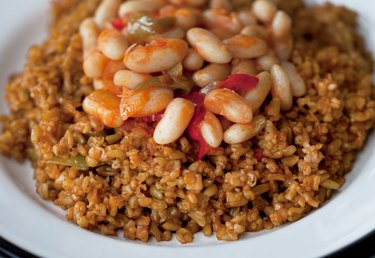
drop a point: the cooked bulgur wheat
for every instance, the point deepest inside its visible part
(120, 179)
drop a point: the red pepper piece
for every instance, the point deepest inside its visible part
(240, 83)
(195, 134)
(196, 97)
(193, 130)
(258, 154)
(118, 24)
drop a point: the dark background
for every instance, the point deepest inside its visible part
(365, 247)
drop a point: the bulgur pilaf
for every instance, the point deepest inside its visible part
(111, 175)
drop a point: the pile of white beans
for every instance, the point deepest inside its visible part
(207, 42)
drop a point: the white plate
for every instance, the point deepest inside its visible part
(40, 228)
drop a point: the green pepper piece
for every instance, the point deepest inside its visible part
(143, 25)
(114, 138)
(78, 162)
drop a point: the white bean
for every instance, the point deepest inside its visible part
(193, 61)
(256, 31)
(161, 2)
(168, 10)
(243, 66)
(196, 2)
(264, 10)
(112, 44)
(284, 48)
(297, 84)
(247, 17)
(186, 18)
(105, 11)
(221, 23)
(94, 64)
(211, 130)
(104, 104)
(209, 46)
(98, 84)
(221, 4)
(281, 87)
(211, 73)
(89, 32)
(258, 95)
(267, 61)
(239, 133)
(174, 33)
(129, 79)
(158, 55)
(111, 68)
(176, 119)
(158, 99)
(229, 104)
(129, 7)
(281, 35)
(145, 102)
(244, 46)
(106, 84)
(281, 26)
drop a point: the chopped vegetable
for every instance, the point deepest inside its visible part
(78, 162)
(180, 84)
(176, 71)
(196, 97)
(240, 83)
(258, 154)
(113, 138)
(152, 82)
(166, 81)
(106, 171)
(178, 81)
(210, 87)
(143, 25)
(193, 130)
(118, 24)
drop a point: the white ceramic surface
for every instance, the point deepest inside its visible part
(40, 228)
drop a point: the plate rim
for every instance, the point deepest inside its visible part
(184, 251)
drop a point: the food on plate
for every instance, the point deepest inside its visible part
(153, 117)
